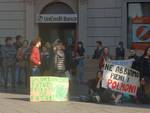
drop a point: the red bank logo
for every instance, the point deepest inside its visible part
(143, 33)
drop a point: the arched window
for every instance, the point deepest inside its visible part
(57, 8)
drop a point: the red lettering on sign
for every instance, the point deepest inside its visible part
(115, 85)
(109, 82)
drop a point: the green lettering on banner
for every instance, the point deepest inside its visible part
(49, 88)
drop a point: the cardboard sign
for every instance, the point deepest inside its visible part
(44, 88)
(120, 78)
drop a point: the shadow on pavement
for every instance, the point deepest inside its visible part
(15, 91)
(21, 99)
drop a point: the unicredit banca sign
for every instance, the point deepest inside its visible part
(56, 18)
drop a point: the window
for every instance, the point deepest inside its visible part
(138, 25)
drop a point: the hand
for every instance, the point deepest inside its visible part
(142, 81)
(39, 63)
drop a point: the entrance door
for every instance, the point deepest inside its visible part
(65, 32)
(51, 32)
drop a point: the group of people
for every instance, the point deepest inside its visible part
(14, 62)
(19, 60)
(140, 63)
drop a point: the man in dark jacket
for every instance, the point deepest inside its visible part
(9, 61)
(98, 50)
(120, 51)
(136, 62)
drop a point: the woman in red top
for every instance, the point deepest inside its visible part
(35, 56)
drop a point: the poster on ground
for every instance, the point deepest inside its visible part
(120, 78)
(46, 88)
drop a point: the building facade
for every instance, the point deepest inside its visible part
(69, 20)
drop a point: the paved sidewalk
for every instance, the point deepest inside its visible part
(19, 103)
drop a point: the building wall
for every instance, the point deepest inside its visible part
(12, 18)
(40, 4)
(104, 23)
(103, 20)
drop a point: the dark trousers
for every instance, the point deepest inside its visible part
(9, 71)
(22, 73)
(2, 77)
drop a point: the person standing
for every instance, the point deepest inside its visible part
(49, 47)
(104, 58)
(45, 60)
(22, 69)
(1, 68)
(143, 93)
(18, 43)
(120, 51)
(59, 51)
(98, 50)
(80, 62)
(145, 65)
(35, 59)
(9, 61)
(136, 62)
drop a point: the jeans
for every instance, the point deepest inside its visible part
(35, 71)
(80, 70)
(2, 77)
(21, 74)
(9, 71)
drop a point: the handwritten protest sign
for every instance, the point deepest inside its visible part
(120, 78)
(49, 88)
(127, 63)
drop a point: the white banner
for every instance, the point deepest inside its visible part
(127, 63)
(56, 18)
(121, 79)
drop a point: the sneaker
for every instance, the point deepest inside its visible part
(117, 100)
(98, 99)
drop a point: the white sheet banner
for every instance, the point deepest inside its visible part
(127, 63)
(121, 79)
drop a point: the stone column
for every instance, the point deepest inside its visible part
(29, 20)
(82, 22)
